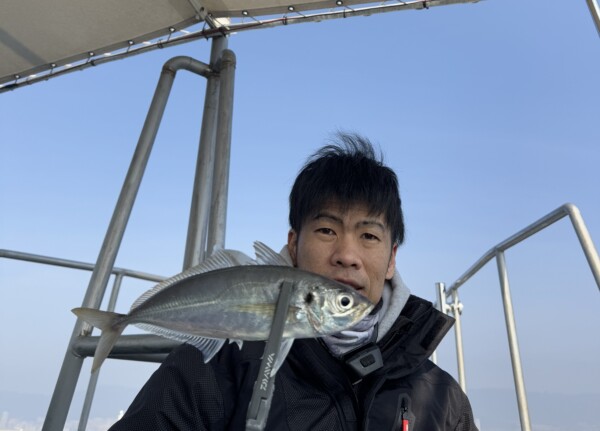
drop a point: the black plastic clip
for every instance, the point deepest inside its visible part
(262, 395)
(364, 360)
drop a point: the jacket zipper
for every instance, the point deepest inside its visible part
(404, 415)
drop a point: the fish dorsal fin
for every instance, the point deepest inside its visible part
(267, 256)
(222, 258)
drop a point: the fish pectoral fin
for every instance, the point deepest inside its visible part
(284, 349)
(207, 346)
(239, 343)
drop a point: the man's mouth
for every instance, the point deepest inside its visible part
(350, 283)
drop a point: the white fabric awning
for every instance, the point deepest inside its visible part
(53, 36)
(37, 35)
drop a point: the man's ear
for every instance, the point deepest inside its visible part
(293, 245)
(392, 263)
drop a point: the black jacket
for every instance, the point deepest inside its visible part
(313, 390)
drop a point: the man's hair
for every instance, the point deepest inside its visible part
(346, 173)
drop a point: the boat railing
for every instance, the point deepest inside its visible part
(148, 348)
(449, 303)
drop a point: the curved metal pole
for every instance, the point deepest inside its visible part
(595, 11)
(591, 255)
(567, 209)
(71, 367)
(195, 247)
(218, 216)
(585, 240)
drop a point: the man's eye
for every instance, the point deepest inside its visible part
(370, 236)
(325, 231)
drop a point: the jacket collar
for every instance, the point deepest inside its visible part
(414, 336)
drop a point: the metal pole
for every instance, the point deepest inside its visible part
(71, 368)
(585, 240)
(460, 358)
(195, 248)
(89, 396)
(440, 292)
(513, 343)
(74, 264)
(549, 219)
(216, 231)
(595, 11)
(128, 346)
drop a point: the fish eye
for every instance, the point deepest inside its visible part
(344, 301)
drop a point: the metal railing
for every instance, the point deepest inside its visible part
(595, 12)
(448, 301)
(87, 345)
(151, 348)
(119, 273)
(206, 229)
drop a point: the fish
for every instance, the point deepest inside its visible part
(229, 296)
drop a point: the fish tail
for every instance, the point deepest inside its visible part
(111, 324)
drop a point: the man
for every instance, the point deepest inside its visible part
(346, 224)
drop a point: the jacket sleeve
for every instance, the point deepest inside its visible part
(466, 421)
(183, 394)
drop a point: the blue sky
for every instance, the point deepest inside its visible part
(488, 112)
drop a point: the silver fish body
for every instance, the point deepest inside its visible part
(239, 303)
(235, 303)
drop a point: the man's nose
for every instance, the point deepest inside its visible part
(346, 253)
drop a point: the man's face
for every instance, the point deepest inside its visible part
(352, 247)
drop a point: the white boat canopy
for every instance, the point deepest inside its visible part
(43, 39)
